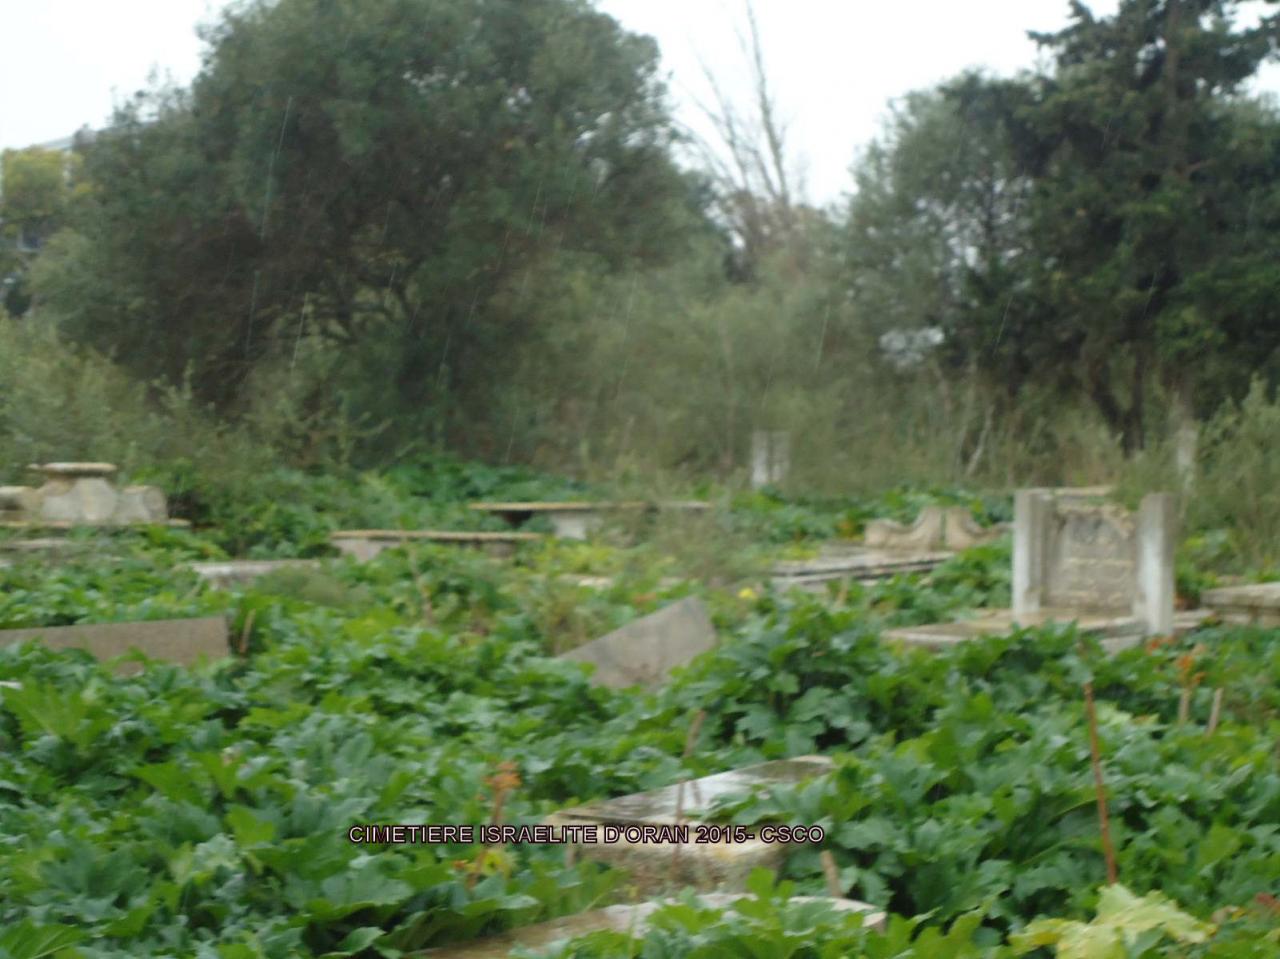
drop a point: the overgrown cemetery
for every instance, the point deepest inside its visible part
(448, 509)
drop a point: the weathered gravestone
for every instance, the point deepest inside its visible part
(659, 856)
(181, 641)
(770, 457)
(1077, 558)
(630, 919)
(644, 651)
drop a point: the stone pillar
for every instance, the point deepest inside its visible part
(770, 457)
(1031, 516)
(1157, 530)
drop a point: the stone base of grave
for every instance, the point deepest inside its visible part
(1116, 633)
(632, 919)
(242, 572)
(365, 544)
(645, 650)
(656, 868)
(1255, 604)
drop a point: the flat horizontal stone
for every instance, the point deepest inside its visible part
(657, 867)
(1116, 633)
(241, 572)
(630, 919)
(70, 470)
(181, 641)
(570, 506)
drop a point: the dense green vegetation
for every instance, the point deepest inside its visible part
(204, 812)
(385, 258)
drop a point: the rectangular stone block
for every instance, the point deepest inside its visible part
(646, 650)
(242, 572)
(1256, 603)
(181, 641)
(662, 866)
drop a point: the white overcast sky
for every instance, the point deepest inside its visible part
(834, 64)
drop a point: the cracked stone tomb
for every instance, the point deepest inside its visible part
(1079, 558)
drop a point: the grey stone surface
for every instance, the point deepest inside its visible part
(632, 919)
(770, 457)
(181, 641)
(646, 650)
(660, 867)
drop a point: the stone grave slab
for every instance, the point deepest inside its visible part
(1255, 603)
(365, 544)
(242, 572)
(853, 562)
(632, 919)
(578, 520)
(181, 641)
(659, 866)
(644, 651)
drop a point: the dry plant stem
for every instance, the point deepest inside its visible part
(832, 874)
(1108, 851)
(245, 631)
(694, 728)
(1184, 705)
(1215, 712)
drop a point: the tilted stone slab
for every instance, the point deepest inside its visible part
(1256, 603)
(657, 867)
(365, 544)
(630, 919)
(644, 651)
(181, 641)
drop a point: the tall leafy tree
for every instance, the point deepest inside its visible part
(372, 169)
(1154, 208)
